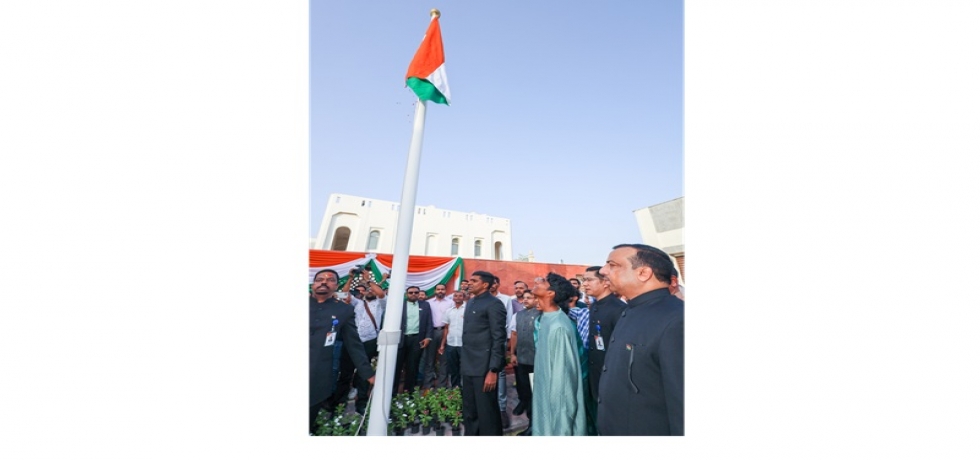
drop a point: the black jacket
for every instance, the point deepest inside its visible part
(604, 313)
(484, 335)
(322, 315)
(641, 391)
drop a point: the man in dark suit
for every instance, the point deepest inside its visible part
(641, 391)
(482, 357)
(332, 326)
(604, 313)
(416, 335)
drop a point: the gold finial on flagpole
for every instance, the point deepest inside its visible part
(435, 13)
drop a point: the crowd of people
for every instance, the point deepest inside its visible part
(599, 356)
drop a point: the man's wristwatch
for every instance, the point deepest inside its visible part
(494, 370)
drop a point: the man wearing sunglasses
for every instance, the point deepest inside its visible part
(416, 336)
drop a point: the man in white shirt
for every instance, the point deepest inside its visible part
(452, 337)
(368, 312)
(434, 362)
(371, 293)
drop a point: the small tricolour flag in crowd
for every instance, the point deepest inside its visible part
(427, 72)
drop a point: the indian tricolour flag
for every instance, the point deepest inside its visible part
(427, 72)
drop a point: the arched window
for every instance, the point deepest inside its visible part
(477, 248)
(455, 249)
(340, 239)
(373, 240)
(498, 251)
(430, 245)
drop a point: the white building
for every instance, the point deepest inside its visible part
(662, 226)
(359, 224)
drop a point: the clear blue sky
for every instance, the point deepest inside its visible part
(565, 117)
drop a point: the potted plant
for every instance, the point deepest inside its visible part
(399, 417)
(345, 426)
(323, 424)
(438, 403)
(454, 407)
(339, 424)
(332, 426)
(344, 423)
(412, 408)
(426, 418)
(456, 422)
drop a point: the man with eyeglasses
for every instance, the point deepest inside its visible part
(603, 316)
(416, 335)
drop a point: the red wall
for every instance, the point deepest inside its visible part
(509, 271)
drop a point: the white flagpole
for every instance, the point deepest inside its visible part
(390, 332)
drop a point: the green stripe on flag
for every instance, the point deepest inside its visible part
(426, 91)
(376, 269)
(445, 279)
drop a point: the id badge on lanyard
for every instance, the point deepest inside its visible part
(332, 335)
(598, 339)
